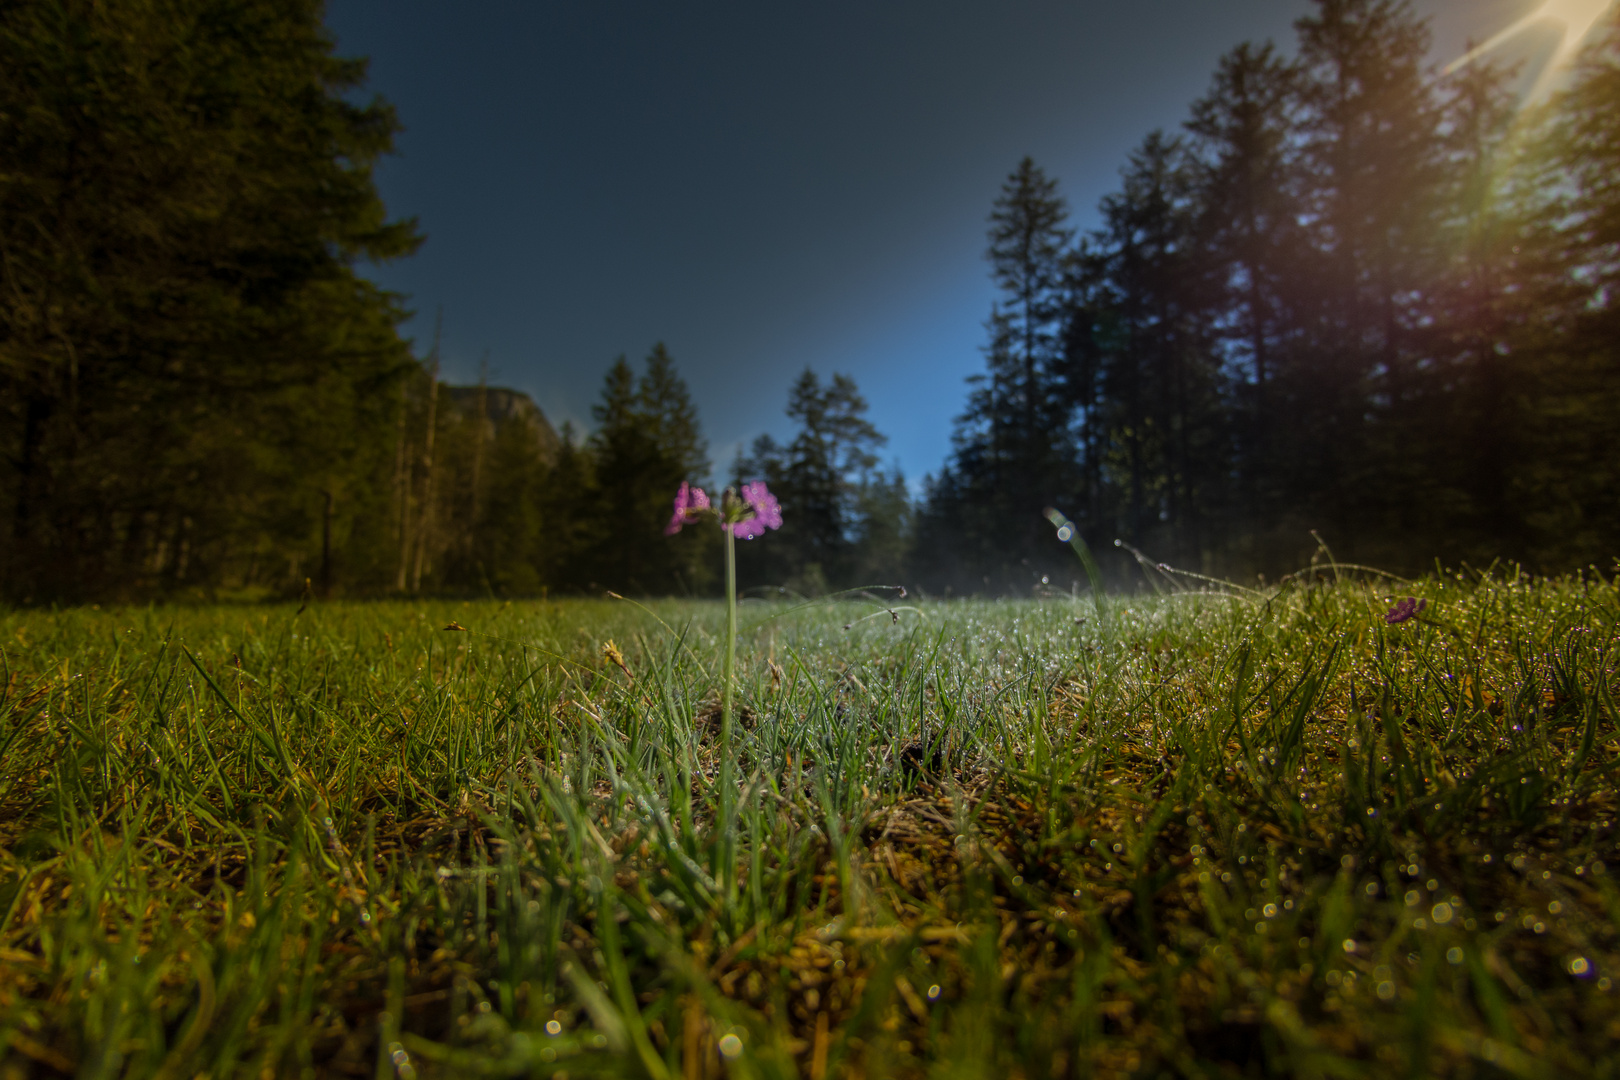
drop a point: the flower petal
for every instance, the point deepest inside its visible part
(767, 511)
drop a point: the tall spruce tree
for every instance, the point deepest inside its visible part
(1160, 370)
(1246, 224)
(1478, 315)
(1371, 127)
(819, 478)
(1013, 449)
(647, 442)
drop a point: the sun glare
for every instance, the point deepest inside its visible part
(1577, 18)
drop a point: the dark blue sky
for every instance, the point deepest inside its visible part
(763, 186)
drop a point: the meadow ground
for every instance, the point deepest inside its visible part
(1198, 834)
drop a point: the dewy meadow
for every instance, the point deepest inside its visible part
(355, 721)
(1306, 831)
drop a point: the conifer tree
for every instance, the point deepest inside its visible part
(1159, 368)
(1479, 312)
(819, 478)
(1370, 125)
(647, 441)
(1565, 470)
(1013, 449)
(1247, 210)
(189, 364)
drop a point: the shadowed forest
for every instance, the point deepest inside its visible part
(1348, 294)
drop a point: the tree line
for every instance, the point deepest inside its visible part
(201, 394)
(492, 500)
(1349, 296)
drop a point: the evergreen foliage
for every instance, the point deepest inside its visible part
(1356, 298)
(845, 518)
(190, 369)
(1351, 296)
(1013, 449)
(646, 442)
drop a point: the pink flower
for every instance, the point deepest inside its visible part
(766, 512)
(1404, 610)
(690, 502)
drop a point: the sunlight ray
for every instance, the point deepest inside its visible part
(1577, 17)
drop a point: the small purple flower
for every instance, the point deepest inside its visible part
(1404, 610)
(767, 512)
(689, 503)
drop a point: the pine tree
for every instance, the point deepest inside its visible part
(819, 478)
(1247, 210)
(647, 441)
(1013, 450)
(883, 529)
(1028, 246)
(1372, 154)
(1479, 311)
(1160, 371)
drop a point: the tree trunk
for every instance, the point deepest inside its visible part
(424, 525)
(326, 547)
(402, 491)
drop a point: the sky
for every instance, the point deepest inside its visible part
(766, 186)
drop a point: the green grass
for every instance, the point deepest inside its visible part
(1203, 835)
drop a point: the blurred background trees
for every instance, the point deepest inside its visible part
(1353, 296)
(1350, 295)
(843, 516)
(194, 382)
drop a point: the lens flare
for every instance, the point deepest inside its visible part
(1577, 17)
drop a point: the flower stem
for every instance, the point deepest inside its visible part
(729, 673)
